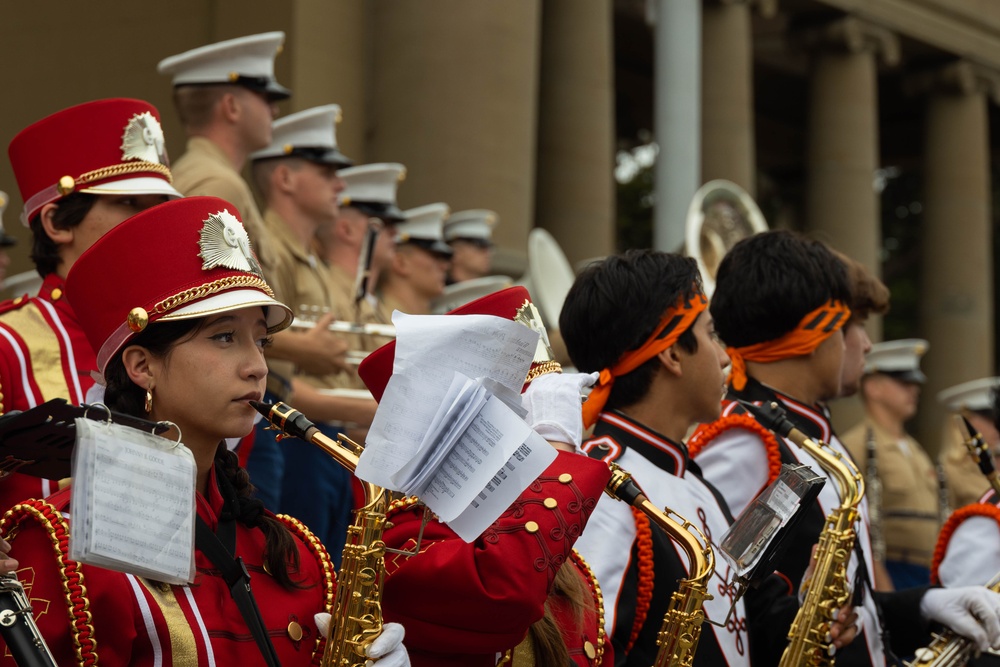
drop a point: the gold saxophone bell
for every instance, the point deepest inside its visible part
(678, 638)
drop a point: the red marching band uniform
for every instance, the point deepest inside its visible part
(477, 601)
(90, 615)
(88, 148)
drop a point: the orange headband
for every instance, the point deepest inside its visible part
(674, 322)
(814, 328)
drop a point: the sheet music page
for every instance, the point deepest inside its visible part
(430, 349)
(133, 502)
(477, 463)
(522, 468)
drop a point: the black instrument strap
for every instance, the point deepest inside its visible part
(863, 585)
(234, 571)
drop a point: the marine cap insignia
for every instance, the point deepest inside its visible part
(143, 139)
(224, 242)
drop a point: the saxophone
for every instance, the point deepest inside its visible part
(949, 649)
(808, 639)
(681, 629)
(357, 609)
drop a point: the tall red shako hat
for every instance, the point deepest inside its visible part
(513, 303)
(106, 147)
(178, 260)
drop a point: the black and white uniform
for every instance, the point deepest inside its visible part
(972, 554)
(737, 463)
(663, 470)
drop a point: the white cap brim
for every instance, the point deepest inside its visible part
(141, 185)
(279, 316)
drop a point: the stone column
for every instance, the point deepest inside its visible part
(842, 207)
(576, 193)
(453, 95)
(727, 123)
(957, 279)
(327, 48)
(676, 116)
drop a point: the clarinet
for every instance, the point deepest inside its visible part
(17, 626)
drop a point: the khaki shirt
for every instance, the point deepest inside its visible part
(300, 281)
(910, 508)
(204, 170)
(966, 483)
(364, 312)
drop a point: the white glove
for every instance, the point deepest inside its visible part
(971, 611)
(554, 405)
(386, 651)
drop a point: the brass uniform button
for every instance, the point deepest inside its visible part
(589, 649)
(551, 503)
(56, 294)
(565, 478)
(294, 631)
(18, 300)
(531, 527)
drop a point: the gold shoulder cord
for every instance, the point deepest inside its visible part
(299, 529)
(74, 587)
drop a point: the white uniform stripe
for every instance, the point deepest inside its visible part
(147, 618)
(28, 393)
(201, 625)
(67, 344)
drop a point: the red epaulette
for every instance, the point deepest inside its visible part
(74, 587)
(949, 527)
(706, 433)
(319, 552)
(14, 304)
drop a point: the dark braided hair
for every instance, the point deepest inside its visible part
(123, 395)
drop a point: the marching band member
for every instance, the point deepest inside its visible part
(164, 297)
(968, 548)
(781, 304)
(519, 594)
(661, 372)
(81, 171)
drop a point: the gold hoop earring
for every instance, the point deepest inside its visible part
(149, 401)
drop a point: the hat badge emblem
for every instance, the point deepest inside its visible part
(143, 140)
(224, 242)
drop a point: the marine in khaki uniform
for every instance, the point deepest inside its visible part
(297, 175)
(470, 235)
(420, 265)
(974, 401)
(225, 95)
(906, 513)
(359, 247)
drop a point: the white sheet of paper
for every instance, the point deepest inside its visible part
(430, 349)
(133, 502)
(524, 466)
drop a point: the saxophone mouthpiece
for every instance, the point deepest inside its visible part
(263, 408)
(771, 415)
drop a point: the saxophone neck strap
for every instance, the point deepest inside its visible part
(863, 583)
(219, 548)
